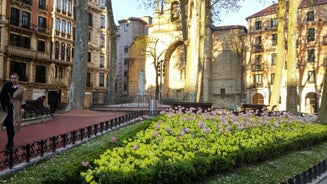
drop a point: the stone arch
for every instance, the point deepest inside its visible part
(170, 66)
(311, 103)
(258, 99)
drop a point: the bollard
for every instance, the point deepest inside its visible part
(153, 107)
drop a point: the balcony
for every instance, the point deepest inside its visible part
(257, 67)
(257, 48)
(18, 51)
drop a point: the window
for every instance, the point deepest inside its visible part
(42, 23)
(257, 44)
(102, 40)
(101, 79)
(272, 78)
(102, 21)
(273, 23)
(69, 7)
(90, 20)
(14, 16)
(258, 62)
(311, 76)
(101, 60)
(311, 55)
(63, 51)
(258, 78)
(40, 74)
(20, 68)
(126, 61)
(273, 59)
(89, 56)
(310, 16)
(68, 53)
(102, 4)
(64, 6)
(58, 72)
(27, 2)
(258, 25)
(41, 45)
(88, 79)
(57, 26)
(63, 26)
(310, 34)
(26, 19)
(274, 39)
(69, 28)
(57, 50)
(20, 41)
(222, 92)
(126, 27)
(126, 48)
(42, 4)
(58, 5)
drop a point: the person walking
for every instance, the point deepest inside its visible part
(13, 102)
(53, 101)
(40, 105)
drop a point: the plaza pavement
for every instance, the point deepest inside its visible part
(61, 123)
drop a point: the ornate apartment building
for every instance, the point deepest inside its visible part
(37, 42)
(311, 56)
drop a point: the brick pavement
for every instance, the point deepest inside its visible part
(61, 123)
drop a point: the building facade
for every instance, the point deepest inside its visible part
(224, 71)
(128, 30)
(311, 56)
(37, 42)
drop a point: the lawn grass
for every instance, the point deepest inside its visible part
(271, 171)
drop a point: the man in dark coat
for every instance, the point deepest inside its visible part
(53, 101)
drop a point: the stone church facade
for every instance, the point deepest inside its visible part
(225, 70)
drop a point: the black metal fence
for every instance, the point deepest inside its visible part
(308, 175)
(37, 149)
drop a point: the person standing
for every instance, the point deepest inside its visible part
(53, 101)
(13, 102)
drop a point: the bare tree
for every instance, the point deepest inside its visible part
(77, 85)
(150, 47)
(111, 93)
(280, 62)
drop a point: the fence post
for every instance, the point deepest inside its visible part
(28, 152)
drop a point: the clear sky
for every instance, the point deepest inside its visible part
(124, 9)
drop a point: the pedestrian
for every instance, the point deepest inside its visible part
(40, 104)
(13, 103)
(53, 101)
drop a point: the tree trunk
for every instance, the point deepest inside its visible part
(113, 56)
(193, 55)
(203, 87)
(292, 80)
(77, 85)
(280, 61)
(322, 115)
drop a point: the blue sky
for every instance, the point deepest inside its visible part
(124, 9)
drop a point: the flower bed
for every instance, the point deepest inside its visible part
(183, 146)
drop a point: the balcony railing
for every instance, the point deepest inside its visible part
(257, 67)
(257, 48)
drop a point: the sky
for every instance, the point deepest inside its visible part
(124, 9)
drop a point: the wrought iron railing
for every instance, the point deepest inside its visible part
(308, 175)
(38, 149)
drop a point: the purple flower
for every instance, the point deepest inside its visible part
(85, 164)
(157, 126)
(135, 147)
(113, 139)
(155, 133)
(182, 132)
